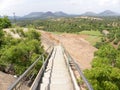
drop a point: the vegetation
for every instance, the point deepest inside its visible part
(92, 36)
(104, 74)
(74, 25)
(105, 67)
(17, 54)
(4, 22)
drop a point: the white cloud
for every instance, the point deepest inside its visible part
(108, 2)
(22, 7)
(9, 3)
(75, 2)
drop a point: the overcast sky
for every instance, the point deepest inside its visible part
(23, 7)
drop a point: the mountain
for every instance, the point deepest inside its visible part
(48, 14)
(60, 14)
(104, 13)
(33, 14)
(89, 14)
(108, 13)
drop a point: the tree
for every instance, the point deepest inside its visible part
(5, 22)
(21, 53)
(105, 67)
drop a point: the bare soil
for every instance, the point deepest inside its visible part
(5, 80)
(80, 49)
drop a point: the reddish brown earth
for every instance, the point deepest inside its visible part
(80, 49)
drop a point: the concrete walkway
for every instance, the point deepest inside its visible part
(56, 75)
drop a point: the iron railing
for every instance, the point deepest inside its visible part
(78, 69)
(37, 80)
(17, 85)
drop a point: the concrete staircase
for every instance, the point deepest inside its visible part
(56, 75)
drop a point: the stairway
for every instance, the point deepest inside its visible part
(56, 75)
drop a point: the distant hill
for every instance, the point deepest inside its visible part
(89, 14)
(60, 14)
(108, 13)
(49, 14)
(104, 13)
(33, 14)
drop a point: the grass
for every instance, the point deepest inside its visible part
(93, 36)
(91, 33)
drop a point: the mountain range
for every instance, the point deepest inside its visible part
(104, 13)
(49, 14)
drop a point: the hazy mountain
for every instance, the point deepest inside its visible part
(60, 14)
(89, 14)
(48, 14)
(108, 13)
(33, 14)
(104, 13)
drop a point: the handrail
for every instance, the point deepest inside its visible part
(75, 85)
(14, 85)
(78, 69)
(37, 79)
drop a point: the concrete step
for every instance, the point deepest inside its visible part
(43, 86)
(45, 80)
(47, 74)
(59, 69)
(58, 66)
(59, 72)
(48, 71)
(60, 87)
(60, 80)
(48, 68)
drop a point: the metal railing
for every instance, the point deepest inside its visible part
(78, 69)
(37, 80)
(21, 80)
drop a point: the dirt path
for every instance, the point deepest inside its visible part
(80, 49)
(5, 80)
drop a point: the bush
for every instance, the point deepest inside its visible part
(21, 53)
(105, 67)
(5, 22)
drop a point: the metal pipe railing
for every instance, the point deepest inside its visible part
(74, 81)
(18, 83)
(35, 84)
(78, 69)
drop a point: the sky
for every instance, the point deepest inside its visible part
(24, 7)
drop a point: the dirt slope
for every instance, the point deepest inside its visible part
(5, 80)
(80, 49)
